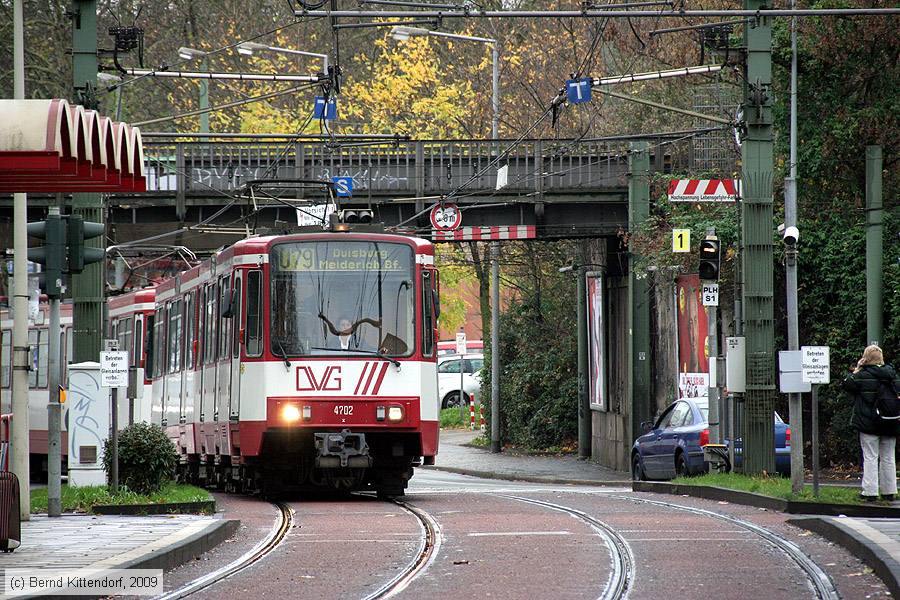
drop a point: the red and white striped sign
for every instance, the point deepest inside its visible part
(497, 232)
(704, 190)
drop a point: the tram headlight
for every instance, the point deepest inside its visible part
(290, 413)
(395, 413)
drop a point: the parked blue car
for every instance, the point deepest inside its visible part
(673, 445)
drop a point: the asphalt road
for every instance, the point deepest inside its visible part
(500, 539)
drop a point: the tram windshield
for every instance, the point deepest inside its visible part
(342, 297)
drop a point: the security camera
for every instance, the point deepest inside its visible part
(791, 236)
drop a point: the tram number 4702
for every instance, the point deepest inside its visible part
(343, 410)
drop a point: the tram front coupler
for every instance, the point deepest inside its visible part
(342, 450)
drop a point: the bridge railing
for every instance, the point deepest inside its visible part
(406, 167)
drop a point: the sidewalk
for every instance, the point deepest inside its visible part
(455, 457)
(114, 542)
(875, 541)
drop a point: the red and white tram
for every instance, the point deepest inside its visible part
(297, 361)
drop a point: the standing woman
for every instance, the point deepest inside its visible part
(877, 436)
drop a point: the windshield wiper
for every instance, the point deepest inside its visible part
(284, 357)
(381, 355)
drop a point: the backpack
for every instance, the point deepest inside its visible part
(887, 404)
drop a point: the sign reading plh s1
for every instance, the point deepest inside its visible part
(709, 294)
(704, 190)
(681, 240)
(114, 369)
(446, 217)
(815, 364)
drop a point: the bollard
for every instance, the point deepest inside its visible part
(472, 413)
(481, 410)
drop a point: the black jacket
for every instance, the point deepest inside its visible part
(863, 388)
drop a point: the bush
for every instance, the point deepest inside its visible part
(147, 458)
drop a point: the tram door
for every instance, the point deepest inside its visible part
(236, 333)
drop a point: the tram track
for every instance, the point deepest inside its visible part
(822, 584)
(622, 562)
(276, 536)
(429, 547)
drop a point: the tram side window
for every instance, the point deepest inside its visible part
(190, 320)
(236, 321)
(37, 376)
(123, 333)
(148, 347)
(159, 343)
(67, 349)
(209, 351)
(176, 337)
(138, 342)
(5, 358)
(253, 332)
(428, 314)
(224, 324)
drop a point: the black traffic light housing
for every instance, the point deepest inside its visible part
(64, 251)
(80, 230)
(710, 258)
(53, 254)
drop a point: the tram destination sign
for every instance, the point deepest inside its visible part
(339, 257)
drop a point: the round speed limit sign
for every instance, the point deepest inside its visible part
(446, 217)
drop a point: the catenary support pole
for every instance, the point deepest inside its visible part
(495, 347)
(495, 80)
(584, 412)
(757, 159)
(638, 309)
(874, 243)
(88, 287)
(204, 100)
(20, 450)
(791, 257)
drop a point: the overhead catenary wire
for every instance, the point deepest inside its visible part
(200, 111)
(593, 13)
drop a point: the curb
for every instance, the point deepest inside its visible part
(758, 500)
(167, 508)
(186, 550)
(876, 557)
(528, 478)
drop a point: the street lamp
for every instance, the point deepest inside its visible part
(110, 80)
(402, 33)
(248, 48)
(191, 54)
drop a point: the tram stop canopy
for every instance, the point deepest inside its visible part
(54, 146)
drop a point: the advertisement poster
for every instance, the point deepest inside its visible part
(596, 341)
(693, 329)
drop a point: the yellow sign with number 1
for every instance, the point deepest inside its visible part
(681, 240)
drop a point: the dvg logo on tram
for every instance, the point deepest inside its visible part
(329, 382)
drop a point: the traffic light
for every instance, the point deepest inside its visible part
(80, 230)
(710, 258)
(53, 255)
(355, 216)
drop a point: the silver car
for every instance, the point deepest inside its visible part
(449, 378)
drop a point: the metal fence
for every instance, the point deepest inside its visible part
(406, 168)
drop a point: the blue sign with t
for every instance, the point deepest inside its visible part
(579, 90)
